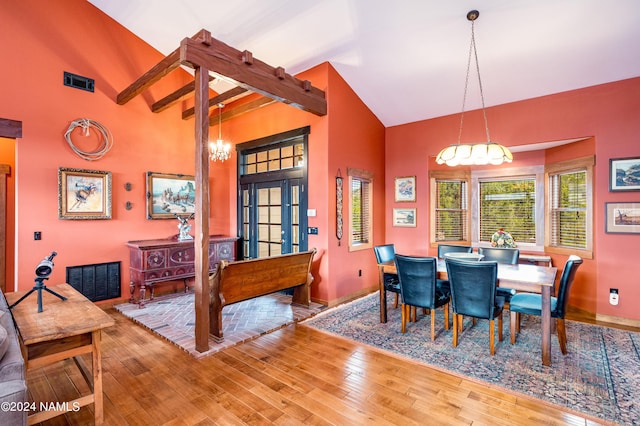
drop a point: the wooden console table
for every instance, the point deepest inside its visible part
(64, 329)
(154, 261)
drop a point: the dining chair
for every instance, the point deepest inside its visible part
(420, 287)
(386, 253)
(501, 255)
(473, 294)
(531, 304)
(450, 248)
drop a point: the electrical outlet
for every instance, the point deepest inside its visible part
(37, 235)
(614, 296)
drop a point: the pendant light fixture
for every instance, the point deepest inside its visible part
(220, 150)
(479, 153)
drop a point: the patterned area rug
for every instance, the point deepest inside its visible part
(599, 377)
(173, 318)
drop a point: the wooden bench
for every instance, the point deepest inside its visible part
(242, 280)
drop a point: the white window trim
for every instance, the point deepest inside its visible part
(478, 175)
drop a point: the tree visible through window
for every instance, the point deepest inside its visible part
(451, 210)
(570, 207)
(508, 204)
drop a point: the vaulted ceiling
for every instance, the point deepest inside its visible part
(407, 59)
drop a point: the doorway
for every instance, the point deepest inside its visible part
(272, 201)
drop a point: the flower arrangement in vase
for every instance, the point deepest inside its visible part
(502, 239)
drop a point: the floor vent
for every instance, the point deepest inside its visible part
(100, 281)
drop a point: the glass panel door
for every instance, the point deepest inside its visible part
(271, 219)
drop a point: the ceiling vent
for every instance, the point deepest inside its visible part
(78, 81)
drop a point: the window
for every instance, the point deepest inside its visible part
(360, 209)
(509, 204)
(545, 209)
(569, 207)
(450, 201)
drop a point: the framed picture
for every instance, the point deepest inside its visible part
(622, 218)
(169, 195)
(84, 194)
(624, 174)
(404, 217)
(405, 189)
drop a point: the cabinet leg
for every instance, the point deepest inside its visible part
(132, 289)
(186, 285)
(152, 288)
(143, 290)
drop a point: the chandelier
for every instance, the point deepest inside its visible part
(220, 150)
(479, 153)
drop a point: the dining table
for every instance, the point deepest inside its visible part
(521, 277)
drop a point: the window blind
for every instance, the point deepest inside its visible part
(451, 210)
(568, 213)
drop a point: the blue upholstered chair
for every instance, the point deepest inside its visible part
(419, 287)
(501, 255)
(473, 294)
(531, 304)
(386, 253)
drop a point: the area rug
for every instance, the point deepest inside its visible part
(173, 318)
(599, 377)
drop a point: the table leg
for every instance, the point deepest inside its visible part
(383, 295)
(546, 325)
(97, 378)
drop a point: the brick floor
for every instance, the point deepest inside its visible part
(173, 318)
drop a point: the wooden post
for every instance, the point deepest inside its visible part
(201, 242)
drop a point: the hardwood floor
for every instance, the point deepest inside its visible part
(293, 376)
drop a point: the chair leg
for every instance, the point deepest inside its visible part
(446, 316)
(518, 322)
(500, 337)
(562, 335)
(512, 328)
(404, 311)
(473, 321)
(455, 330)
(492, 337)
(415, 313)
(395, 304)
(433, 324)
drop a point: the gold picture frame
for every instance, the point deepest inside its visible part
(169, 195)
(84, 194)
(405, 189)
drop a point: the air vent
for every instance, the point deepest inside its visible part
(78, 81)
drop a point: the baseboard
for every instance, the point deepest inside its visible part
(610, 319)
(347, 298)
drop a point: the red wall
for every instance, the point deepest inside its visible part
(41, 40)
(609, 113)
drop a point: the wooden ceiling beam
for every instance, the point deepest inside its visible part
(230, 95)
(236, 111)
(175, 97)
(161, 69)
(242, 69)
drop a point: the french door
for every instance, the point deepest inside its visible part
(271, 218)
(272, 201)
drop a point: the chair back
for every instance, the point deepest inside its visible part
(473, 287)
(500, 255)
(450, 248)
(385, 253)
(417, 280)
(566, 280)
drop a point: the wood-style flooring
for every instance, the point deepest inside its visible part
(293, 376)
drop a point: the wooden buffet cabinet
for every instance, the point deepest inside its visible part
(154, 261)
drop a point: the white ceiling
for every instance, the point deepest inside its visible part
(406, 59)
